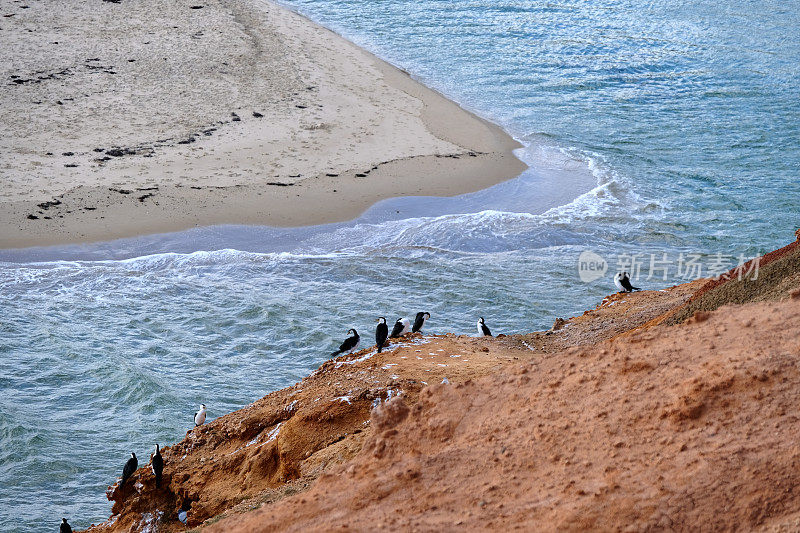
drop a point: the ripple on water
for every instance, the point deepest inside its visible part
(674, 125)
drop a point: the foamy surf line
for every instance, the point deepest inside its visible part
(538, 191)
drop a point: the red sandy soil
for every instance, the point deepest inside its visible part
(693, 427)
(611, 421)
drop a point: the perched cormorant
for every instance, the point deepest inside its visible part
(419, 322)
(350, 343)
(381, 333)
(623, 283)
(200, 416)
(129, 469)
(157, 464)
(483, 329)
(401, 327)
(65, 527)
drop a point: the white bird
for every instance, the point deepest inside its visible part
(483, 329)
(200, 416)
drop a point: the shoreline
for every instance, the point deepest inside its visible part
(347, 131)
(355, 441)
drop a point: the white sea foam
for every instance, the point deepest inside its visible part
(141, 330)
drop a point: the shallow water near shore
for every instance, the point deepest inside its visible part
(650, 130)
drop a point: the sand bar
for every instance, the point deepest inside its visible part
(123, 118)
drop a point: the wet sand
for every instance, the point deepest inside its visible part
(130, 118)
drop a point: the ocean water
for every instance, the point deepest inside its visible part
(653, 129)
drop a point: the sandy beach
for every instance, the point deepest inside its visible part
(127, 118)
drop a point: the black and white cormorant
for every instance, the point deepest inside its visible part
(483, 329)
(419, 322)
(157, 464)
(200, 416)
(401, 327)
(350, 343)
(381, 333)
(623, 282)
(129, 469)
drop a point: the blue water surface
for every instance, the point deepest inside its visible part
(650, 127)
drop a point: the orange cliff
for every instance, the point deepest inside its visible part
(656, 410)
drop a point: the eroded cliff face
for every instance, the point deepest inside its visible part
(292, 435)
(693, 427)
(606, 421)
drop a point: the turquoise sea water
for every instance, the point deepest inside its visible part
(650, 127)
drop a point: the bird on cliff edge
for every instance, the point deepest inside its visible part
(419, 321)
(401, 327)
(483, 329)
(350, 343)
(157, 465)
(623, 282)
(65, 527)
(381, 333)
(128, 470)
(200, 416)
